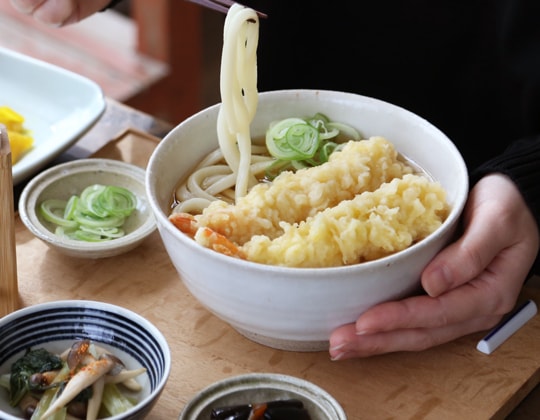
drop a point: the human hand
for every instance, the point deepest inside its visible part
(469, 285)
(59, 12)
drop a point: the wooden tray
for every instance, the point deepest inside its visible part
(130, 146)
(452, 381)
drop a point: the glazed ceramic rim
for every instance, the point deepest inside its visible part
(121, 321)
(296, 387)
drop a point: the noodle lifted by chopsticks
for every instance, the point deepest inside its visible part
(239, 96)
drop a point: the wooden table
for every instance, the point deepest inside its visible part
(452, 381)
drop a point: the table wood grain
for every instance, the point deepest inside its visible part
(452, 381)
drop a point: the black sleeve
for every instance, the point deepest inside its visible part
(521, 163)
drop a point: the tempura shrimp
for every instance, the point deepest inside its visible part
(208, 238)
(185, 222)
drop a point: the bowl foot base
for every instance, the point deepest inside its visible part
(288, 345)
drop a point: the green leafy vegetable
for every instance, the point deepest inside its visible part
(51, 393)
(114, 401)
(34, 361)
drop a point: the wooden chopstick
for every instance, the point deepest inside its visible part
(9, 291)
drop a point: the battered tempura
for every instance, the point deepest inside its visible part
(363, 204)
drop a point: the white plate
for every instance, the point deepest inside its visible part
(58, 106)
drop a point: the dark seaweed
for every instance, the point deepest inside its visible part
(33, 361)
(291, 409)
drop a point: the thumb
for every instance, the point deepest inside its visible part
(466, 258)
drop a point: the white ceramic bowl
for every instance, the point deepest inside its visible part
(56, 325)
(67, 179)
(297, 308)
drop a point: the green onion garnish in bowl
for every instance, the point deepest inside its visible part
(298, 143)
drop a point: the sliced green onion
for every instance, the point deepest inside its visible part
(278, 129)
(112, 232)
(299, 164)
(303, 139)
(71, 207)
(92, 220)
(117, 201)
(326, 150)
(96, 215)
(276, 167)
(292, 139)
(323, 125)
(81, 235)
(350, 133)
(305, 142)
(53, 210)
(319, 121)
(97, 234)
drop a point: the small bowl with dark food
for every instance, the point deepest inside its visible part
(268, 396)
(80, 358)
(88, 208)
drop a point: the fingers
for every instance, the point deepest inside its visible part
(420, 322)
(472, 300)
(466, 258)
(500, 234)
(346, 344)
(49, 12)
(26, 6)
(59, 12)
(461, 261)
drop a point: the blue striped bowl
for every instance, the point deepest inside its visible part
(56, 325)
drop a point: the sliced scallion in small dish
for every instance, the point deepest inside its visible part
(96, 215)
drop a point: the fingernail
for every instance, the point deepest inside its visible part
(362, 332)
(439, 279)
(338, 347)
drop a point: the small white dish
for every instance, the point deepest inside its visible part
(67, 179)
(255, 388)
(58, 106)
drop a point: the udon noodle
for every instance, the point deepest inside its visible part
(239, 98)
